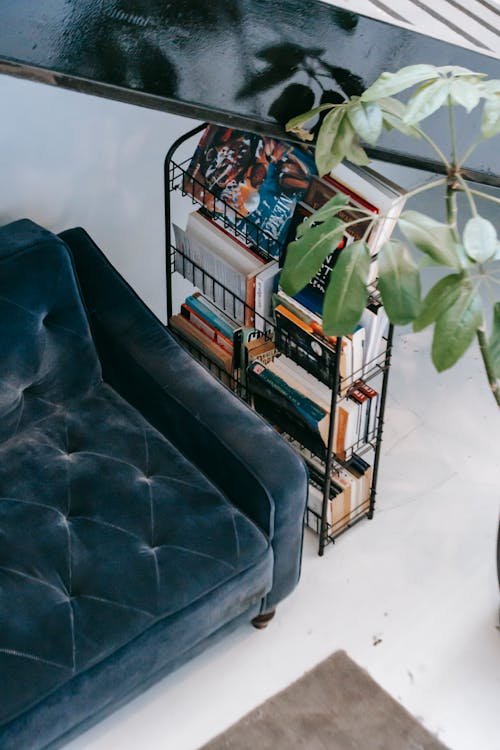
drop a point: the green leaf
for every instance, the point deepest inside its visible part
(366, 119)
(457, 70)
(305, 255)
(438, 299)
(356, 153)
(480, 239)
(465, 92)
(341, 146)
(325, 160)
(490, 125)
(343, 141)
(393, 112)
(330, 208)
(490, 88)
(399, 282)
(494, 342)
(347, 292)
(305, 116)
(456, 327)
(426, 100)
(392, 83)
(430, 237)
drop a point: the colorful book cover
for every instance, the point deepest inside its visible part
(303, 408)
(259, 178)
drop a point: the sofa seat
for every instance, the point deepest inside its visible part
(106, 529)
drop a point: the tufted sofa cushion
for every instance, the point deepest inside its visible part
(47, 352)
(106, 528)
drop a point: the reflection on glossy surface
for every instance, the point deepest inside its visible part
(246, 62)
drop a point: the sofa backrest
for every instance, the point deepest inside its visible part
(47, 355)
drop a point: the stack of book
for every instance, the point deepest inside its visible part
(220, 339)
(350, 494)
(239, 281)
(307, 402)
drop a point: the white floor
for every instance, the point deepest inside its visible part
(412, 595)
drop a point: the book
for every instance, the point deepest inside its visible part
(346, 428)
(217, 318)
(205, 346)
(315, 321)
(302, 381)
(219, 265)
(321, 190)
(199, 322)
(364, 401)
(337, 506)
(347, 423)
(341, 505)
(366, 191)
(316, 288)
(250, 180)
(362, 472)
(357, 463)
(376, 324)
(298, 340)
(303, 411)
(260, 350)
(357, 338)
(350, 489)
(266, 282)
(212, 274)
(372, 407)
(371, 190)
(244, 336)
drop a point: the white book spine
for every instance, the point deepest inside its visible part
(204, 268)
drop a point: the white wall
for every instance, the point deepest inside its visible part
(68, 159)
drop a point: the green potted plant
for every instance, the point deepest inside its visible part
(465, 247)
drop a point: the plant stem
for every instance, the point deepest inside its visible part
(488, 365)
(468, 193)
(469, 151)
(451, 211)
(425, 186)
(452, 133)
(486, 196)
(431, 143)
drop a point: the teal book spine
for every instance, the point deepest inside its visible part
(312, 415)
(196, 304)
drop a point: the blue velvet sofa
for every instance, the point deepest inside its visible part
(144, 510)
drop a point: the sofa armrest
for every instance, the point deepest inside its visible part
(234, 446)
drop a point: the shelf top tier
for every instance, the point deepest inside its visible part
(235, 62)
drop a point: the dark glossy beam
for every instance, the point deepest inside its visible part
(247, 63)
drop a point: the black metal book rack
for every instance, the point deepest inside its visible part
(323, 463)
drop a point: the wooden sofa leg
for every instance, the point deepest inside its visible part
(261, 621)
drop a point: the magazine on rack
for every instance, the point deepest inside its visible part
(257, 179)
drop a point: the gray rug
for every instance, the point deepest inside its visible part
(335, 706)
